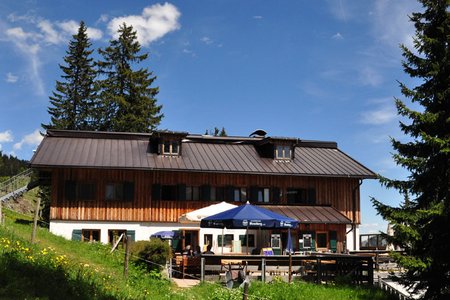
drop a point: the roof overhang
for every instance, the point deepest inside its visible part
(311, 214)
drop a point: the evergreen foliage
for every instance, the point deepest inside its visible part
(11, 165)
(128, 100)
(216, 132)
(73, 104)
(422, 222)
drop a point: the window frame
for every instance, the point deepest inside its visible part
(91, 235)
(73, 190)
(173, 148)
(120, 187)
(283, 152)
(327, 242)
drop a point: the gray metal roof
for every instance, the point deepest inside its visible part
(310, 214)
(229, 155)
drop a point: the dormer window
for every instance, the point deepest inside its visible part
(171, 148)
(283, 152)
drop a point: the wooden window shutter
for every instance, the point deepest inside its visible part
(333, 240)
(70, 190)
(313, 241)
(156, 192)
(276, 195)
(311, 196)
(76, 235)
(128, 191)
(253, 194)
(229, 193)
(131, 234)
(205, 191)
(181, 189)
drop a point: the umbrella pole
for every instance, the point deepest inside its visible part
(247, 239)
(290, 257)
(223, 242)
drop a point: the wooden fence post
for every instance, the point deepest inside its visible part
(370, 271)
(263, 270)
(290, 267)
(127, 257)
(202, 269)
(36, 215)
(245, 295)
(319, 270)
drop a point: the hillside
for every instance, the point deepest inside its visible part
(55, 268)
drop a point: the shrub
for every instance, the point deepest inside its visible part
(153, 254)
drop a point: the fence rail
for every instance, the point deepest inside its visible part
(15, 185)
(320, 268)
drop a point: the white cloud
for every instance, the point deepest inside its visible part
(32, 139)
(207, 40)
(46, 33)
(28, 44)
(337, 36)
(257, 17)
(6, 136)
(71, 27)
(11, 78)
(382, 115)
(391, 22)
(369, 76)
(50, 34)
(103, 19)
(154, 22)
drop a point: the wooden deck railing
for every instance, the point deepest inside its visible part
(315, 267)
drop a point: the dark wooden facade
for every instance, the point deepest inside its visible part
(340, 193)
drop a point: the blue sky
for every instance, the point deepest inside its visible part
(324, 70)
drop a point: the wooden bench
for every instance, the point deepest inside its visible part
(191, 265)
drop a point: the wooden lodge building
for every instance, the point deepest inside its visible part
(104, 184)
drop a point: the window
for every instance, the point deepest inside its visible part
(169, 192)
(213, 193)
(283, 152)
(170, 148)
(263, 195)
(90, 235)
(193, 193)
(322, 240)
(372, 242)
(114, 235)
(239, 194)
(228, 240)
(78, 190)
(208, 239)
(307, 240)
(119, 191)
(251, 240)
(300, 196)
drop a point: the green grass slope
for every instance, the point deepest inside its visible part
(55, 268)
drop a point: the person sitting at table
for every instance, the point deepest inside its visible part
(197, 251)
(208, 250)
(187, 251)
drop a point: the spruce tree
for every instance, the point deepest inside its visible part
(128, 99)
(73, 103)
(421, 223)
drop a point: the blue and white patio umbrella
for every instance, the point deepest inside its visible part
(248, 216)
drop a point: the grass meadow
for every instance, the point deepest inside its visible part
(55, 268)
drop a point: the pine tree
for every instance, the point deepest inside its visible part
(421, 223)
(73, 104)
(128, 100)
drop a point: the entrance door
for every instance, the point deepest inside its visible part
(191, 237)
